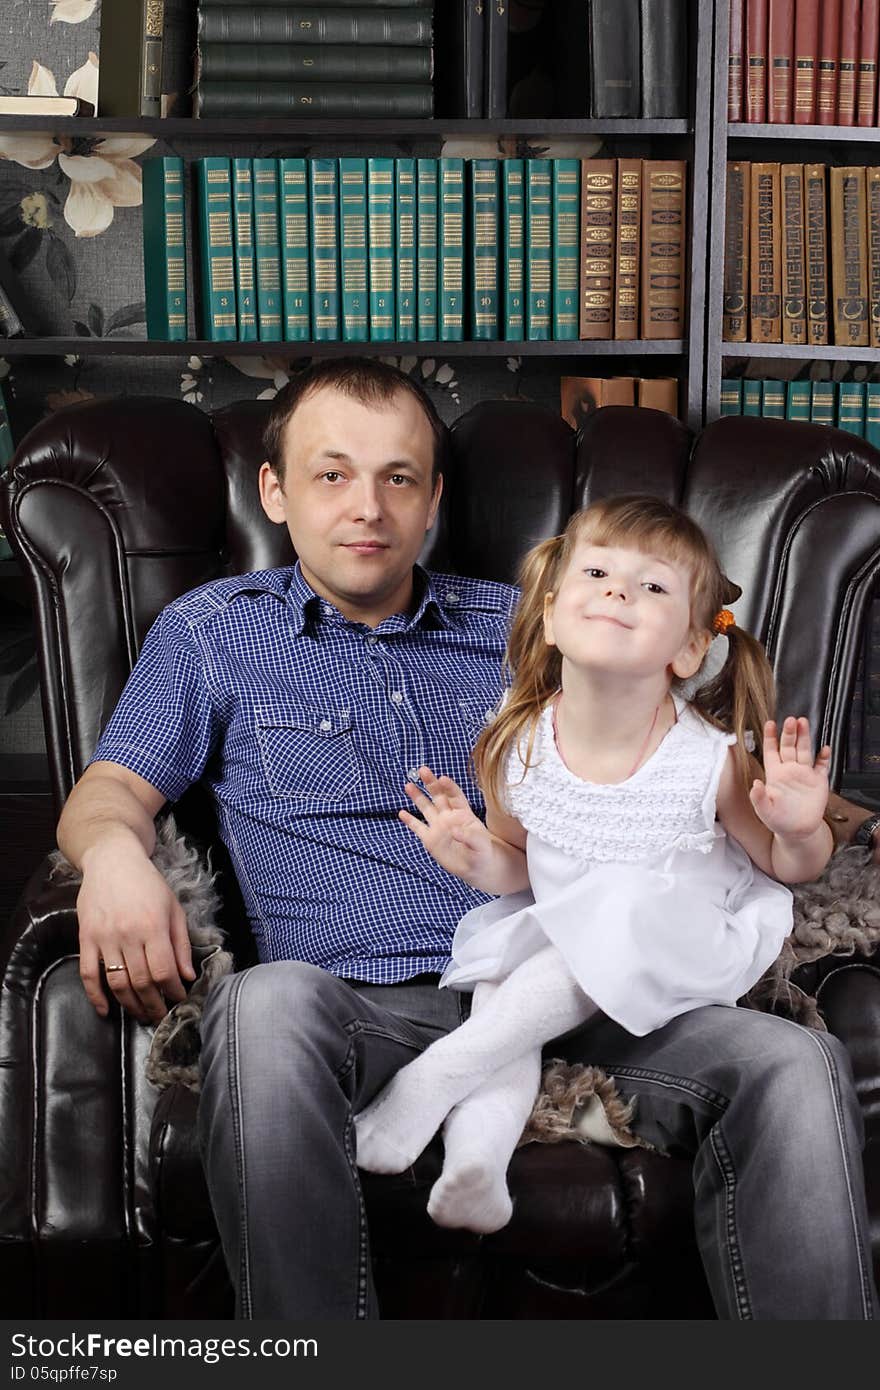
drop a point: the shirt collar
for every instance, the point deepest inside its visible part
(430, 605)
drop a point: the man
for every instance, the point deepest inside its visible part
(305, 698)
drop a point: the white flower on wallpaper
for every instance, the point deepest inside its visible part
(72, 11)
(81, 83)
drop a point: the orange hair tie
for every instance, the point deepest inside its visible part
(723, 620)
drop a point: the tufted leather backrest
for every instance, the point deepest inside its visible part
(116, 507)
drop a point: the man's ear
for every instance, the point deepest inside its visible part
(548, 621)
(689, 660)
(272, 494)
(435, 501)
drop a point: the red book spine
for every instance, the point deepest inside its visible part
(780, 61)
(806, 61)
(756, 61)
(735, 61)
(866, 84)
(848, 62)
(829, 52)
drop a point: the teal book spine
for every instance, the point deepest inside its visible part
(797, 400)
(731, 396)
(751, 397)
(773, 399)
(566, 248)
(823, 403)
(213, 182)
(267, 245)
(513, 228)
(353, 250)
(450, 242)
(243, 227)
(295, 294)
(405, 224)
(426, 251)
(539, 303)
(872, 414)
(851, 407)
(7, 449)
(164, 249)
(380, 201)
(483, 195)
(324, 244)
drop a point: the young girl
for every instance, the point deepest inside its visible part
(621, 891)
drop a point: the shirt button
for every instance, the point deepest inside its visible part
(396, 697)
(452, 597)
(413, 774)
(372, 639)
(326, 725)
(488, 715)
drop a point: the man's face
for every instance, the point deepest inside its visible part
(357, 498)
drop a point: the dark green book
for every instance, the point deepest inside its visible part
(538, 249)
(353, 249)
(566, 247)
(305, 62)
(851, 407)
(164, 248)
(256, 97)
(513, 231)
(405, 228)
(773, 399)
(267, 246)
(295, 294)
(213, 186)
(731, 396)
(380, 201)
(7, 449)
(797, 400)
(131, 57)
(426, 250)
(450, 248)
(751, 397)
(484, 180)
(311, 24)
(243, 229)
(324, 249)
(823, 404)
(872, 413)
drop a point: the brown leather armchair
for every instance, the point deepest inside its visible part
(119, 506)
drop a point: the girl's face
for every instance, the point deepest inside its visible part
(627, 611)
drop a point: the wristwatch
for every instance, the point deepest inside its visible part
(865, 833)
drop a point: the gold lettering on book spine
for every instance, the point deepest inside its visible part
(154, 20)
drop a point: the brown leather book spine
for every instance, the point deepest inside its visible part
(598, 178)
(873, 193)
(765, 280)
(806, 60)
(663, 246)
(626, 253)
(780, 62)
(829, 52)
(866, 84)
(817, 254)
(848, 62)
(735, 310)
(580, 396)
(658, 393)
(849, 257)
(619, 390)
(735, 61)
(756, 60)
(794, 269)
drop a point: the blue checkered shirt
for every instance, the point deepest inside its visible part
(305, 726)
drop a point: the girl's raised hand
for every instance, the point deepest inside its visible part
(447, 827)
(792, 798)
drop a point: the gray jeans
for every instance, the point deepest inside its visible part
(766, 1108)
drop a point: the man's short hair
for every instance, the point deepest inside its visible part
(365, 379)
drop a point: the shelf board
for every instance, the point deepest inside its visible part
(248, 128)
(805, 352)
(853, 134)
(142, 347)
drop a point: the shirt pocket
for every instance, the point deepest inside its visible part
(476, 711)
(308, 753)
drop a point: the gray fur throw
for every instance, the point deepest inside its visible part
(838, 914)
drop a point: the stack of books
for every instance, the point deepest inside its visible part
(787, 226)
(850, 405)
(418, 250)
(804, 62)
(364, 58)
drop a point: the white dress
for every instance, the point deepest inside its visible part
(655, 909)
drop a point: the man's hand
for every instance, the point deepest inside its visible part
(128, 916)
(794, 793)
(458, 839)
